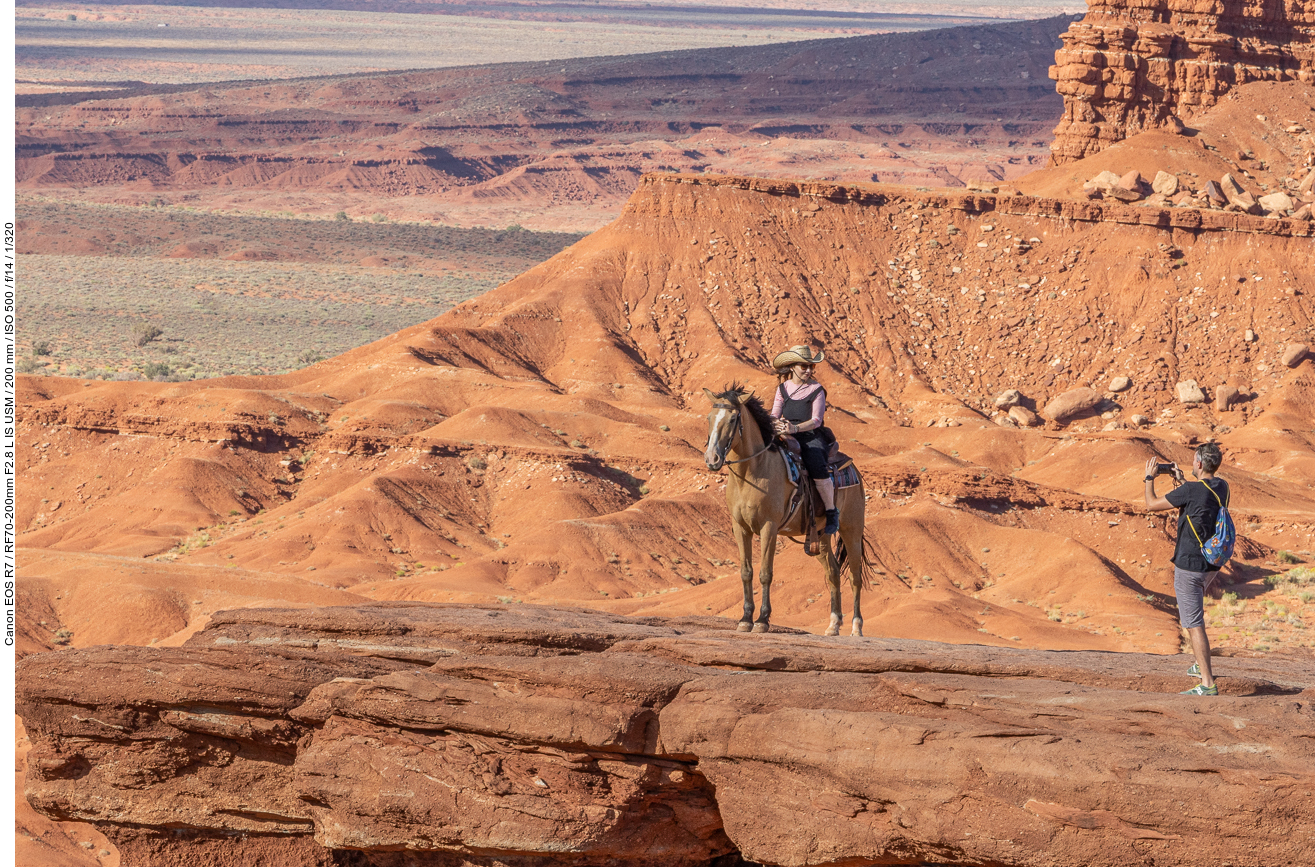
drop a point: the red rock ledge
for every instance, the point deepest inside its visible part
(403, 734)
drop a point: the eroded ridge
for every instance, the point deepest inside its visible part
(575, 737)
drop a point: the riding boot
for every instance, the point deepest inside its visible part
(832, 521)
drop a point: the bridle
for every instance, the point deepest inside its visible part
(735, 431)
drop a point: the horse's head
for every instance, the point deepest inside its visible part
(723, 425)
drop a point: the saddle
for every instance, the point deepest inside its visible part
(805, 495)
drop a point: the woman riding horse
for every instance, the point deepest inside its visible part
(798, 411)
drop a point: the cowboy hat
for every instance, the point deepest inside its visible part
(797, 355)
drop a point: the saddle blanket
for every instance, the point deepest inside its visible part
(844, 476)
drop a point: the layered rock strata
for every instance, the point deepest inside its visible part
(1135, 65)
(406, 734)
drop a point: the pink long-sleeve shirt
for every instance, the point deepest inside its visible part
(819, 401)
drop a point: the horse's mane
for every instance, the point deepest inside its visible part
(733, 392)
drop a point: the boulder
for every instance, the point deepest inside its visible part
(1132, 181)
(1104, 181)
(1305, 212)
(1165, 184)
(1294, 354)
(1238, 197)
(1073, 402)
(1307, 184)
(1230, 186)
(1023, 417)
(391, 734)
(1007, 398)
(1249, 336)
(1140, 420)
(1123, 194)
(1225, 397)
(1189, 392)
(1278, 203)
(1215, 194)
(1120, 383)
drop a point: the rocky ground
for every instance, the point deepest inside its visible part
(405, 734)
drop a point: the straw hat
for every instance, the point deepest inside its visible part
(798, 355)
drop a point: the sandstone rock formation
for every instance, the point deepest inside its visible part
(410, 734)
(1128, 67)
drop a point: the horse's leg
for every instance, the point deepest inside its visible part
(744, 539)
(768, 536)
(832, 574)
(852, 532)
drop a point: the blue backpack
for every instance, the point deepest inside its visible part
(1219, 547)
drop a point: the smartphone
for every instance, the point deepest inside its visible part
(1166, 469)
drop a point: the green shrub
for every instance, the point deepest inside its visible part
(157, 370)
(145, 332)
(1287, 557)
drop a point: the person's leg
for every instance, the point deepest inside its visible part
(1201, 650)
(1189, 587)
(827, 490)
(815, 460)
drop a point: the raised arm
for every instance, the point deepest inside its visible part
(1154, 503)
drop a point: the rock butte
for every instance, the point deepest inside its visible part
(1131, 66)
(404, 734)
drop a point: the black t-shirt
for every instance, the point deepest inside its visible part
(1193, 499)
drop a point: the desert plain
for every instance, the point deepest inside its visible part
(363, 512)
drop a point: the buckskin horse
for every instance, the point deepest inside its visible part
(758, 492)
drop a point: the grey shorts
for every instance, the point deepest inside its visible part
(1189, 587)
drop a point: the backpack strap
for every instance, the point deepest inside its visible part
(1199, 543)
(1189, 517)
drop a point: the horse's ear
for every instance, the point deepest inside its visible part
(710, 394)
(744, 398)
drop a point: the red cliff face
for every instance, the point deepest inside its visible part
(1136, 65)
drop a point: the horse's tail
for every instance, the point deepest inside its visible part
(869, 566)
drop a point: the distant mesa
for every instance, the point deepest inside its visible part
(1130, 67)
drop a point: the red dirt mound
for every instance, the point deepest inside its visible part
(544, 441)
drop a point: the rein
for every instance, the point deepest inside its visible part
(738, 424)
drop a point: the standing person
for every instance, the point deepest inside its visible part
(1198, 504)
(798, 410)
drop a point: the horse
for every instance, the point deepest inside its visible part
(740, 437)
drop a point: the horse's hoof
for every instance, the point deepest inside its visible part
(744, 626)
(833, 630)
(858, 630)
(762, 627)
